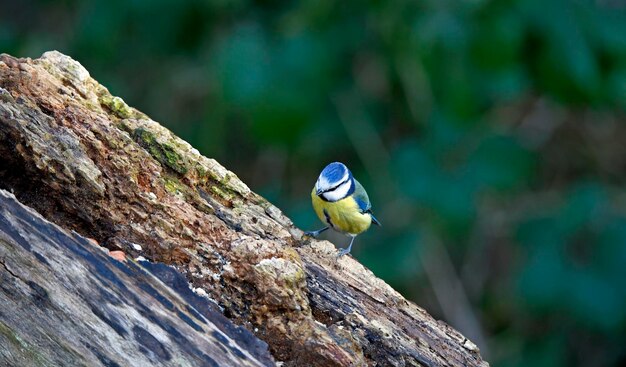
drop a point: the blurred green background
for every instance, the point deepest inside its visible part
(491, 136)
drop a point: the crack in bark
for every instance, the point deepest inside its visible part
(4, 265)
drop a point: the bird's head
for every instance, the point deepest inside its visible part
(335, 182)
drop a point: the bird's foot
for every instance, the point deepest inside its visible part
(315, 233)
(343, 251)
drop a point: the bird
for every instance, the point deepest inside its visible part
(340, 201)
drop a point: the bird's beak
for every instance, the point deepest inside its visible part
(318, 191)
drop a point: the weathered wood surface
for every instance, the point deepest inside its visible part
(65, 302)
(88, 162)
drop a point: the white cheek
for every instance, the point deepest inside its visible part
(345, 176)
(338, 193)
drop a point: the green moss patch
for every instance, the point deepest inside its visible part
(162, 152)
(116, 105)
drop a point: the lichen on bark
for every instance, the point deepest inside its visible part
(110, 172)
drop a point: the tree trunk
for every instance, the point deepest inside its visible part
(89, 163)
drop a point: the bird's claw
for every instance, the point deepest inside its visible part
(343, 251)
(315, 233)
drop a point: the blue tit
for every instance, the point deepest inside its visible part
(341, 202)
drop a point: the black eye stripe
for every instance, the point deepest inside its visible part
(336, 186)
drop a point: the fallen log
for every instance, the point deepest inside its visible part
(91, 164)
(65, 302)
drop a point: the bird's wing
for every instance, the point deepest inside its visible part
(363, 201)
(361, 198)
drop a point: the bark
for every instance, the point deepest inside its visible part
(65, 302)
(89, 163)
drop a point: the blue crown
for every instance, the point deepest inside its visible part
(334, 172)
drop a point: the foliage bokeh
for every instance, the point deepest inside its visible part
(489, 134)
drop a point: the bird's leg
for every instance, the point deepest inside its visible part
(315, 233)
(346, 250)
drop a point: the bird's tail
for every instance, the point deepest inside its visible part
(375, 221)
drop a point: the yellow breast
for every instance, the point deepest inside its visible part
(343, 215)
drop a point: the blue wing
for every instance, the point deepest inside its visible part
(361, 198)
(363, 201)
